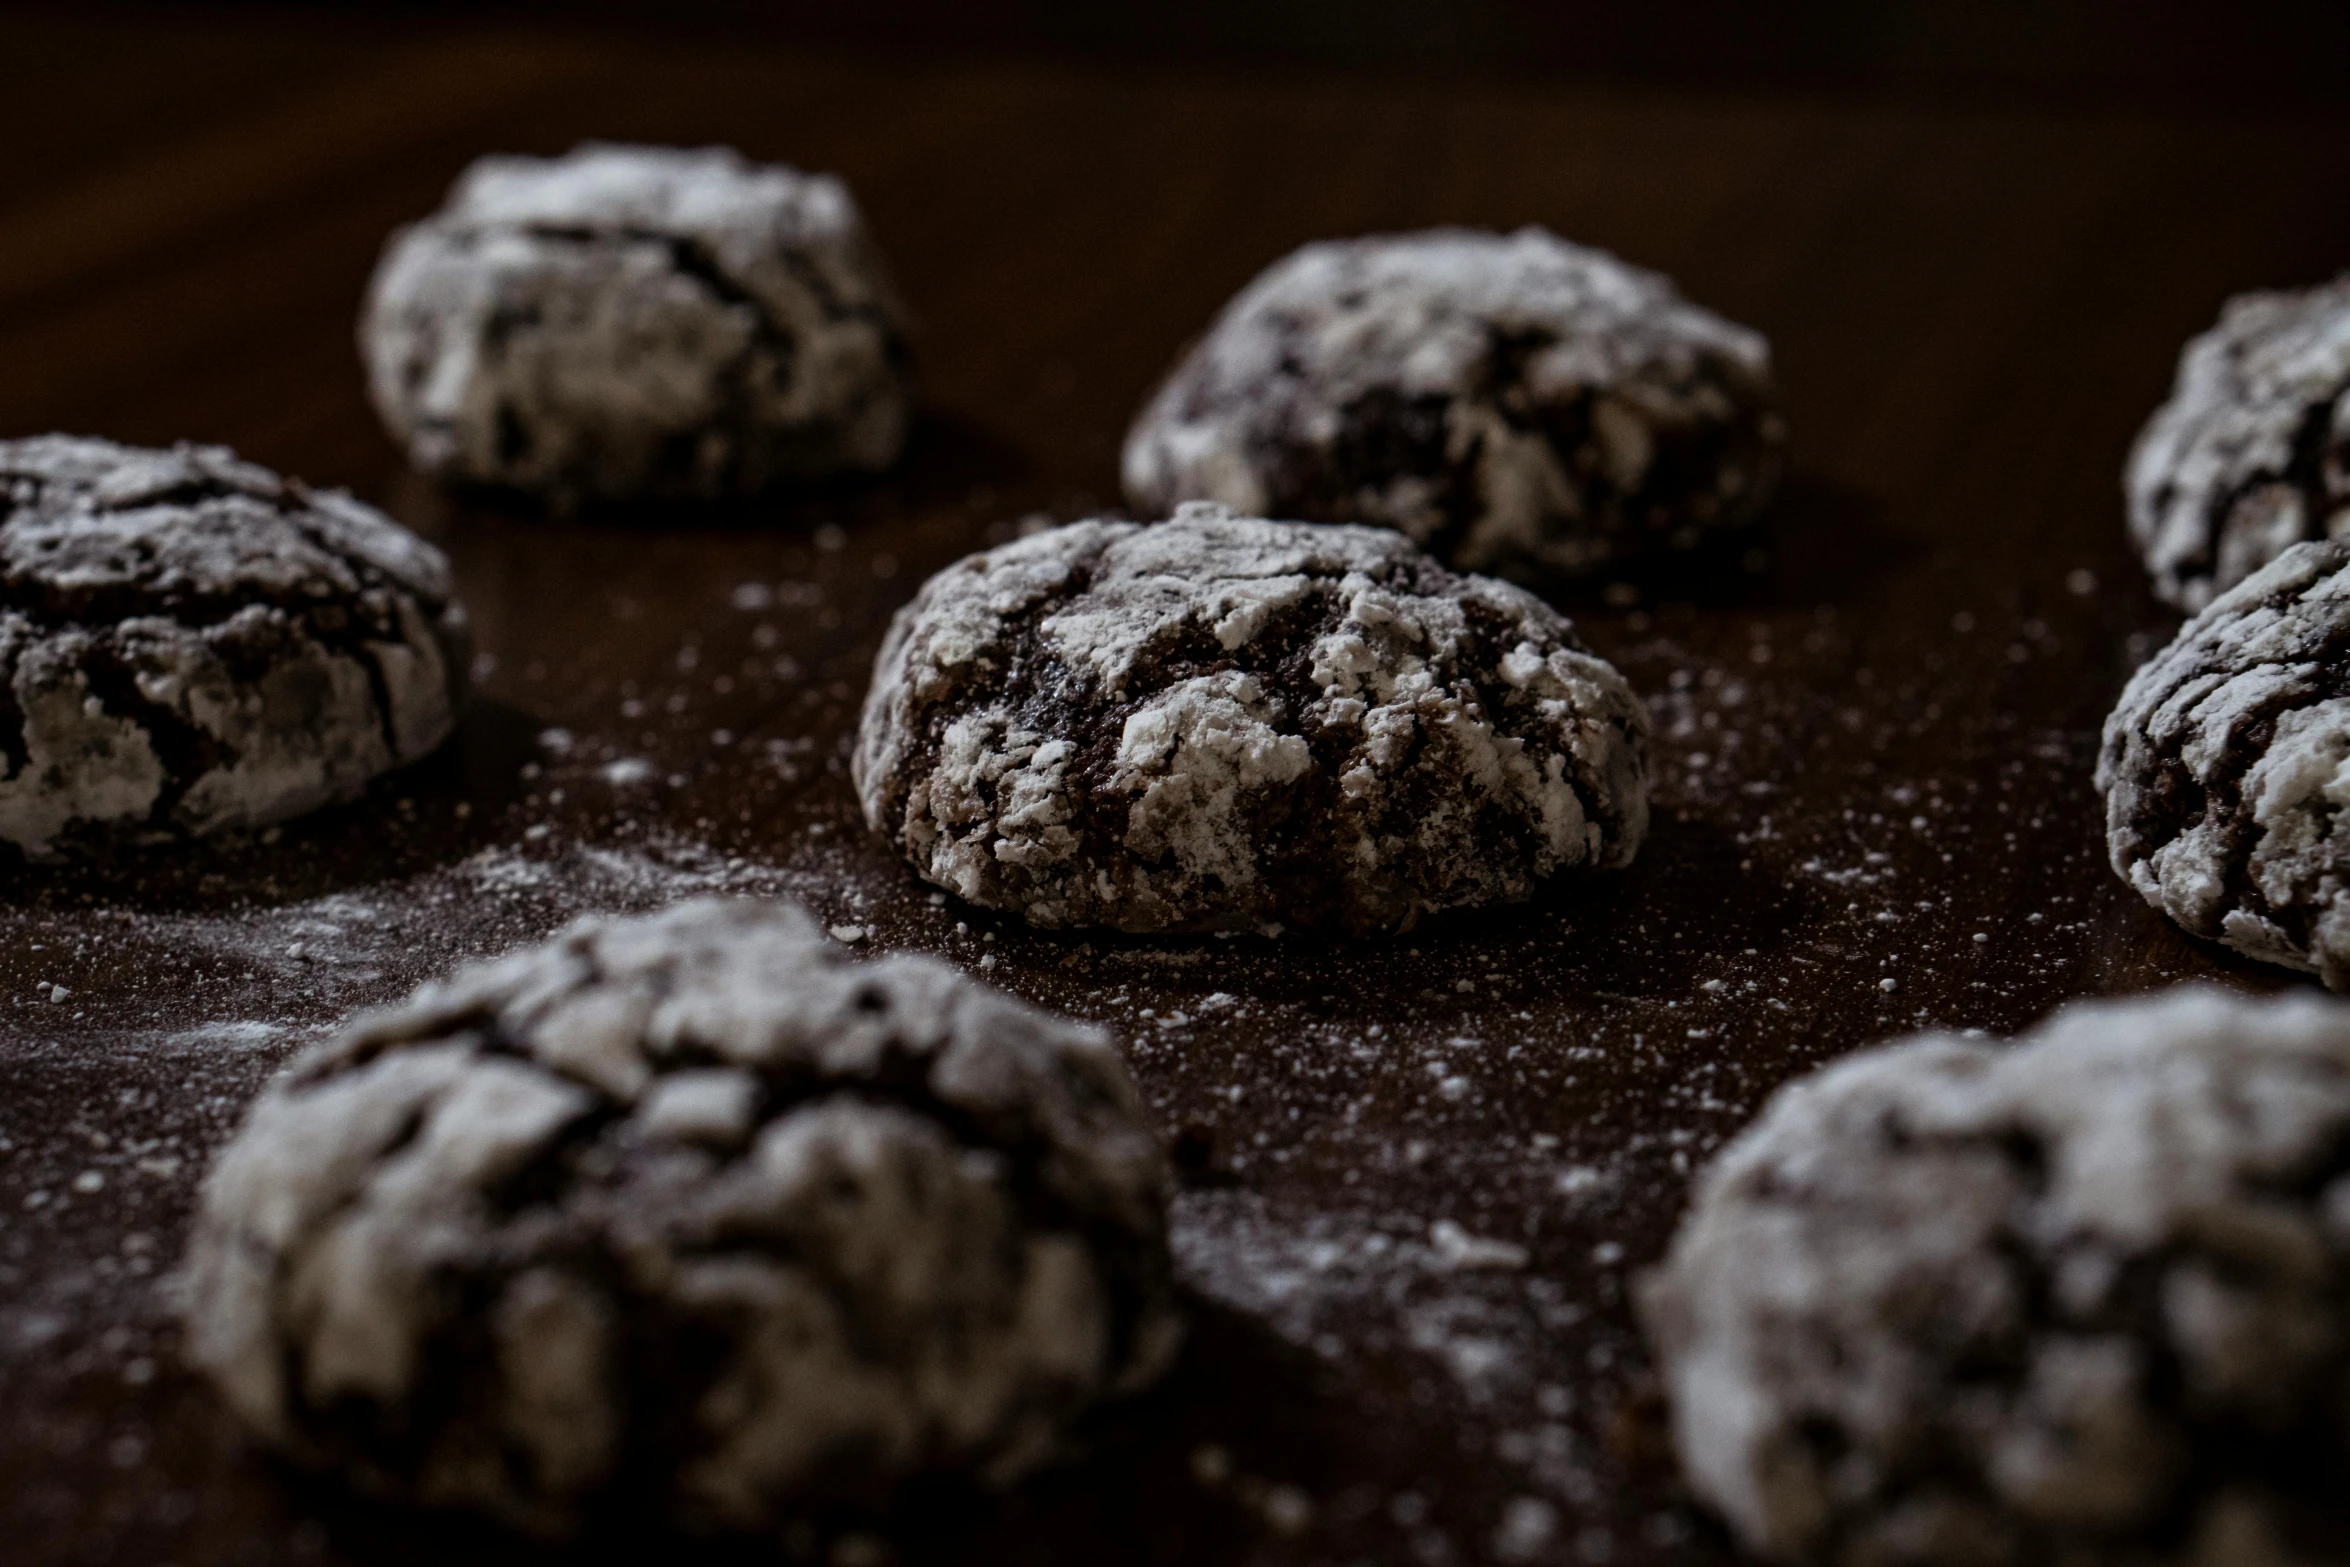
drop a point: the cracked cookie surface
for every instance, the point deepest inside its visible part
(1514, 403)
(638, 323)
(2226, 765)
(1218, 722)
(2251, 454)
(686, 1217)
(190, 643)
(2083, 1298)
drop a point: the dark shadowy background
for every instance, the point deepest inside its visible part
(2175, 52)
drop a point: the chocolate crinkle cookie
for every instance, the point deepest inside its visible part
(2251, 455)
(2227, 762)
(686, 1219)
(190, 643)
(1219, 722)
(1513, 403)
(638, 323)
(2082, 1300)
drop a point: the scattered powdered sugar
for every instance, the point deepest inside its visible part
(1359, 1289)
(348, 948)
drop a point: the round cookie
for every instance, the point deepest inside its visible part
(2252, 452)
(686, 1218)
(190, 643)
(2082, 1299)
(2223, 768)
(1513, 403)
(1217, 722)
(632, 323)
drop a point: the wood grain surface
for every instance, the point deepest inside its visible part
(1875, 733)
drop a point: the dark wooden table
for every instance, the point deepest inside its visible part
(1874, 739)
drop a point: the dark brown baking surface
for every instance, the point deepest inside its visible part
(1873, 759)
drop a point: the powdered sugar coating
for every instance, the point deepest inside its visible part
(638, 322)
(685, 1216)
(2227, 762)
(2252, 453)
(189, 643)
(1219, 721)
(1513, 403)
(2081, 1299)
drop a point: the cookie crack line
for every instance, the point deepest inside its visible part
(330, 619)
(2304, 464)
(689, 258)
(899, 1079)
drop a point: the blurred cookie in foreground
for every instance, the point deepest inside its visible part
(686, 1218)
(190, 643)
(2078, 1299)
(2251, 455)
(1513, 403)
(2226, 765)
(1219, 722)
(638, 323)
